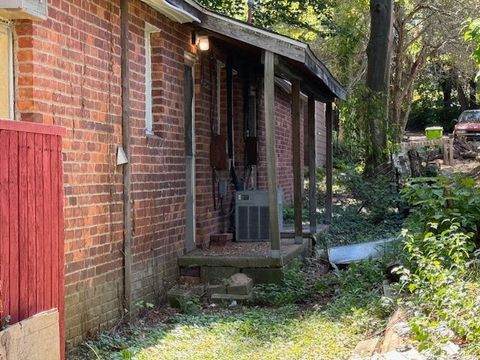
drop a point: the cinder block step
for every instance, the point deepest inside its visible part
(239, 284)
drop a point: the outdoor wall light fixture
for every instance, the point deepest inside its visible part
(201, 41)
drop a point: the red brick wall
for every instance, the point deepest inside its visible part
(158, 171)
(68, 73)
(283, 143)
(209, 219)
(320, 133)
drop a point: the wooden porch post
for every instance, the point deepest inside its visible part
(312, 165)
(297, 161)
(269, 99)
(329, 163)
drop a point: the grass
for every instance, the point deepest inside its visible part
(353, 311)
(309, 316)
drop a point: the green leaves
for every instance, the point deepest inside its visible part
(299, 19)
(440, 246)
(472, 34)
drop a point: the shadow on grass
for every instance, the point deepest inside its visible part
(294, 331)
(260, 325)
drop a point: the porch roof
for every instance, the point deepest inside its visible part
(296, 59)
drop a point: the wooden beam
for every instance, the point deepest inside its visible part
(285, 71)
(269, 100)
(127, 205)
(312, 165)
(329, 163)
(297, 162)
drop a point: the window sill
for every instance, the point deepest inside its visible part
(154, 140)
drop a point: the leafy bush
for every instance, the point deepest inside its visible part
(434, 200)
(440, 247)
(377, 197)
(190, 305)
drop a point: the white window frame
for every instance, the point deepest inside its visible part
(149, 30)
(11, 93)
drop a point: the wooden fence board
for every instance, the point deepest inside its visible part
(5, 224)
(22, 226)
(13, 221)
(32, 260)
(47, 216)
(31, 222)
(39, 250)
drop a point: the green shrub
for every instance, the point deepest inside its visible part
(190, 305)
(293, 289)
(440, 247)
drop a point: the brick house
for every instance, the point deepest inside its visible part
(128, 77)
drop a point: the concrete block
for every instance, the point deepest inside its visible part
(217, 274)
(239, 284)
(264, 276)
(190, 271)
(36, 338)
(215, 289)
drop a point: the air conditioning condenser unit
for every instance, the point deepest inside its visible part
(252, 219)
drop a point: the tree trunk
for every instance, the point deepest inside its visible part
(473, 94)
(379, 54)
(447, 89)
(462, 97)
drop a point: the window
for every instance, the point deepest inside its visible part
(149, 30)
(6, 71)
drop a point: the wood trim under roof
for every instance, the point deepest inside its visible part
(294, 50)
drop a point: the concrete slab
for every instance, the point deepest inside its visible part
(36, 338)
(246, 259)
(216, 289)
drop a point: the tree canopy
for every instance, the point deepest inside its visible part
(304, 20)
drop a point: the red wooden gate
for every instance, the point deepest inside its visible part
(31, 221)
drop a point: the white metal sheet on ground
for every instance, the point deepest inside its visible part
(358, 252)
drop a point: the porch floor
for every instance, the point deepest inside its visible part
(252, 258)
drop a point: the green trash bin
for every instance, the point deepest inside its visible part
(434, 132)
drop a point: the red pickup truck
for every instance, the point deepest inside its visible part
(468, 125)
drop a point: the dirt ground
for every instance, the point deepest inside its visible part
(470, 167)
